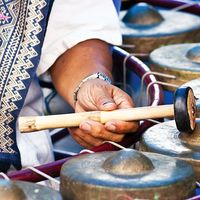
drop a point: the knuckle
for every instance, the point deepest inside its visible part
(121, 127)
(97, 131)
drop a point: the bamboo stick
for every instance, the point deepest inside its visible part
(36, 123)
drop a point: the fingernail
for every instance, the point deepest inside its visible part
(111, 127)
(108, 102)
(86, 127)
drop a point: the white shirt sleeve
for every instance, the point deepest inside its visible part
(73, 21)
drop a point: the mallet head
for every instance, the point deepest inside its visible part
(185, 109)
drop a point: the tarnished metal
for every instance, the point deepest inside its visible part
(126, 174)
(19, 190)
(194, 54)
(164, 138)
(11, 191)
(142, 15)
(176, 27)
(181, 60)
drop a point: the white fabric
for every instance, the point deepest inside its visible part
(73, 21)
(35, 148)
(70, 22)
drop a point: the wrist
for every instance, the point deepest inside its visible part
(98, 75)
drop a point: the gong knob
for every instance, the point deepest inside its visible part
(194, 54)
(127, 162)
(142, 14)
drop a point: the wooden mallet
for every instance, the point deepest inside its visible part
(183, 110)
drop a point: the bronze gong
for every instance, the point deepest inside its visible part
(126, 174)
(20, 190)
(147, 27)
(165, 138)
(181, 60)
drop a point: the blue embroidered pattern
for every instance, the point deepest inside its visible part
(22, 28)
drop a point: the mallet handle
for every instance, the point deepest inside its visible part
(35, 123)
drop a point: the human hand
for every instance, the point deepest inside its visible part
(96, 94)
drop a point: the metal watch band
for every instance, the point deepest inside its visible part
(97, 75)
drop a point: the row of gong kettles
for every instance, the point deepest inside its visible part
(169, 40)
(166, 162)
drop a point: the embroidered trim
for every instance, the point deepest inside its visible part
(22, 31)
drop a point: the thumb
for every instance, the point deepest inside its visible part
(106, 103)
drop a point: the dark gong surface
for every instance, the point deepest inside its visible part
(107, 176)
(177, 27)
(19, 190)
(174, 59)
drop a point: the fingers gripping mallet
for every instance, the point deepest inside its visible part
(183, 110)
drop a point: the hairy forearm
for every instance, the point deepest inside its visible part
(78, 62)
